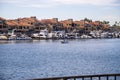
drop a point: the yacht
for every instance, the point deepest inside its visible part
(15, 37)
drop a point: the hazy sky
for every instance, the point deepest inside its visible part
(63, 9)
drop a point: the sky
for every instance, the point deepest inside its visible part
(108, 10)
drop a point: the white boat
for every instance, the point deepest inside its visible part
(15, 37)
(43, 34)
(23, 38)
(2, 37)
(64, 41)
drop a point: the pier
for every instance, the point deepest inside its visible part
(85, 77)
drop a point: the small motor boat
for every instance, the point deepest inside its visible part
(64, 41)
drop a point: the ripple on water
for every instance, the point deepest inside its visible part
(37, 59)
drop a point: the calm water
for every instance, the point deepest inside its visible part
(47, 58)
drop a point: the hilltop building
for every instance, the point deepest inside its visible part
(33, 25)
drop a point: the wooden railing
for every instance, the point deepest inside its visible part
(85, 77)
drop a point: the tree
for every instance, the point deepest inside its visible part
(88, 20)
(117, 23)
(116, 26)
(50, 29)
(105, 22)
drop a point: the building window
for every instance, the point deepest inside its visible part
(20, 27)
(0, 26)
(4, 27)
(31, 23)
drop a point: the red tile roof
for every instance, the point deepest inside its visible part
(2, 18)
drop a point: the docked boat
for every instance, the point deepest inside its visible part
(2, 37)
(21, 37)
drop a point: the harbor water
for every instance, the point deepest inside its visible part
(28, 59)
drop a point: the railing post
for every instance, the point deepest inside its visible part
(74, 78)
(99, 77)
(114, 77)
(82, 78)
(91, 78)
(64, 79)
(107, 78)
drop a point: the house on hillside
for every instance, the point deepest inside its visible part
(3, 26)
